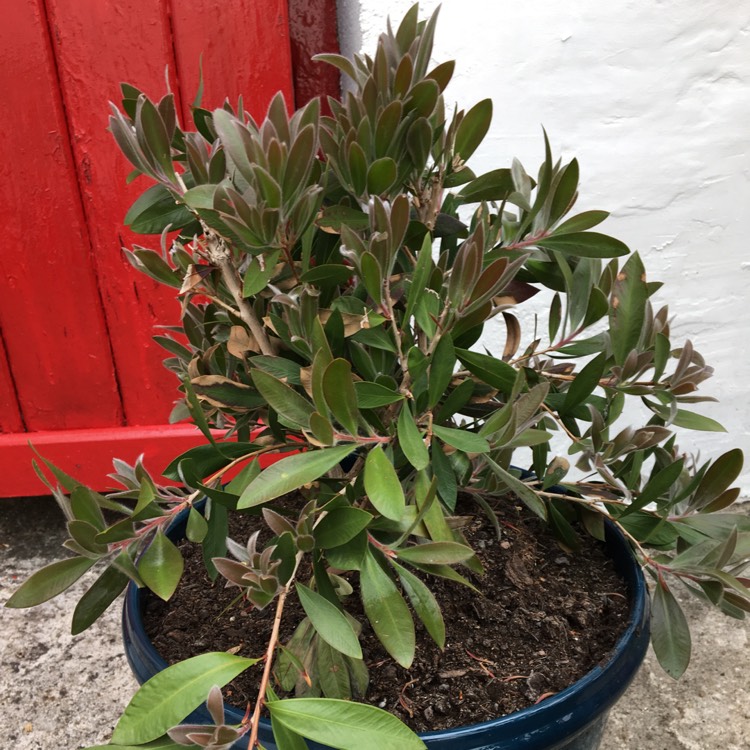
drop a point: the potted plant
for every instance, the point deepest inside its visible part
(337, 275)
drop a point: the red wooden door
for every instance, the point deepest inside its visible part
(80, 376)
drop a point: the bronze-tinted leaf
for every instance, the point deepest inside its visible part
(381, 176)
(628, 308)
(473, 128)
(338, 387)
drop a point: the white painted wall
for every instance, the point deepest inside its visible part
(654, 100)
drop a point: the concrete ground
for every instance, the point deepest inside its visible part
(59, 692)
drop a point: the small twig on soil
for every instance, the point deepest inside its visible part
(482, 662)
(543, 696)
(404, 701)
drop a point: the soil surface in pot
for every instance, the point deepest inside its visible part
(544, 619)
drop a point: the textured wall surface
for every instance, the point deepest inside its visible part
(654, 101)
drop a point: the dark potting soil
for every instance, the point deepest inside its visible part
(544, 619)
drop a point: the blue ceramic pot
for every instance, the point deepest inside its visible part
(572, 719)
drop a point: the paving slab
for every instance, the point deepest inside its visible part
(60, 692)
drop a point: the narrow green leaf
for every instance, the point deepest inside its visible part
(83, 503)
(286, 739)
(153, 265)
(562, 529)
(473, 128)
(196, 412)
(565, 192)
(344, 724)
(418, 142)
(555, 317)
(334, 217)
(49, 582)
(372, 395)
(420, 276)
(256, 279)
(201, 197)
(688, 419)
(656, 486)
(422, 98)
(65, 480)
(381, 176)
(340, 526)
(387, 611)
(586, 381)
(344, 64)
(161, 567)
(206, 459)
(585, 244)
(424, 603)
(582, 222)
(169, 696)
(382, 485)
(441, 369)
(411, 441)
(151, 133)
(299, 161)
(322, 429)
(670, 635)
(228, 129)
(489, 369)
(496, 185)
(197, 527)
(95, 601)
(455, 400)
(436, 553)
(524, 492)
(722, 472)
(357, 163)
(290, 473)
(372, 276)
(330, 622)
(153, 211)
(338, 387)
(328, 273)
(628, 308)
(332, 672)
(447, 486)
(463, 440)
(283, 399)
(126, 141)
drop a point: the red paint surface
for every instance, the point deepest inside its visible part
(313, 29)
(97, 45)
(10, 416)
(76, 320)
(244, 47)
(51, 319)
(87, 454)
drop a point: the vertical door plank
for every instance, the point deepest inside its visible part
(98, 44)
(10, 414)
(244, 46)
(50, 312)
(313, 29)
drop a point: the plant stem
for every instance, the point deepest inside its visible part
(231, 279)
(557, 419)
(563, 342)
(272, 641)
(220, 255)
